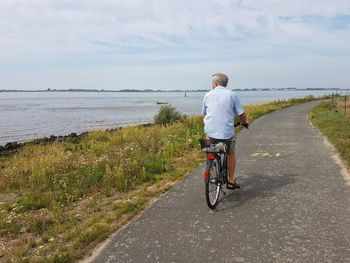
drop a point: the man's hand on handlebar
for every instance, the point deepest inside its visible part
(243, 120)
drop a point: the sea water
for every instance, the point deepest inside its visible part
(28, 115)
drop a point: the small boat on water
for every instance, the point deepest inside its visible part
(160, 102)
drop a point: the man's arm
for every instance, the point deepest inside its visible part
(204, 108)
(238, 110)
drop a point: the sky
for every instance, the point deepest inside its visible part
(167, 44)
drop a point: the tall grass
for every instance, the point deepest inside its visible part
(335, 126)
(58, 200)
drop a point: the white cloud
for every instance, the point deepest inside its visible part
(36, 34)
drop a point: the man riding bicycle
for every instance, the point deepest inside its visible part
(220, 105)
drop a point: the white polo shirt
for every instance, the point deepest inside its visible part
(220, 106)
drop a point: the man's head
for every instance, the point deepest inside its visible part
(219, 79)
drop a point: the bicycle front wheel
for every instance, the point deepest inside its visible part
(212, 184)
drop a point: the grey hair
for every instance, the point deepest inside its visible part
(220, 78)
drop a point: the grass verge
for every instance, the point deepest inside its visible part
(335, 126)
(58, 200)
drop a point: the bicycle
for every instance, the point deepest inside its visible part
(215, 174)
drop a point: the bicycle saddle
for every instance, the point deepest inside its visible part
(217, 148)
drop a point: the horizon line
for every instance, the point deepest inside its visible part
(161, 90)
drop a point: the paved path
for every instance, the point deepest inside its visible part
(291, 208)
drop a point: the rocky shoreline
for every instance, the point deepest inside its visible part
(13, 147)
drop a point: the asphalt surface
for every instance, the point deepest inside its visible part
(293, 205)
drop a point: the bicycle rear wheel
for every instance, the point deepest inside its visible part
(212, 185)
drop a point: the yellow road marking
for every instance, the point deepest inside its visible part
(265, 154)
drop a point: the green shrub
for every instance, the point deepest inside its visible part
(156, 164)
(167, 114)
(10, 227)
(34, 200)
(40, 225)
